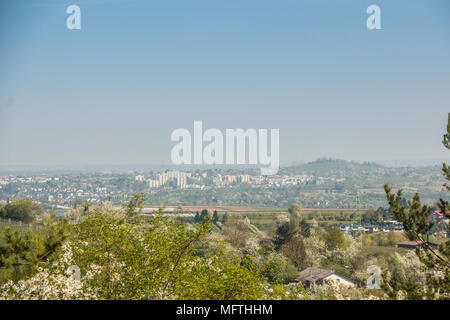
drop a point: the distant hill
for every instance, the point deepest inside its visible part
(332, 167)
(364, 174)
(413, 163)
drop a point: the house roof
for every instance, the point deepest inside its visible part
(409, 243)
(415, 243)
(313, 274)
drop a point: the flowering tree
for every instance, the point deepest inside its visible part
(122, 256)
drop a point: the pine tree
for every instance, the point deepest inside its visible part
(204, 215)
(86, 207)
(225, 218)
(295, 211)
(305, 228)
(197, 217)
(215, 216)
(289, 229)
(415, 219)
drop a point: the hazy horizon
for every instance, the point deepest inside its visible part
(161, 167)
(114, 91)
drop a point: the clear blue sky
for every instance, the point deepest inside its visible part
(112, 92)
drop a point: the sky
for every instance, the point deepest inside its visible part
(114, 91)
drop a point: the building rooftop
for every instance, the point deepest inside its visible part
(313, 274)
(414, 244)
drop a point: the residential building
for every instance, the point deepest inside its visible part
(312, 275)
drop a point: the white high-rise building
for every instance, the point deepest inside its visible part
(181, 181)
(139, 178)
(153, 183)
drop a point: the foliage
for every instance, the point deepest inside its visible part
(291, 227)
(276, 268)
(334, 238)
(225, 218)
(415, 219)
(237, 233)
(295, 250)
(21, 251)
(20, 210)
(122, 257)
(305, 228)
(215, 216)
(136, 203)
